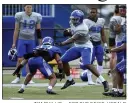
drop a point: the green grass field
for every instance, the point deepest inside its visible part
(74, 93)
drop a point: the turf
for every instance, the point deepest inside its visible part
(85, 93)
(72, 93)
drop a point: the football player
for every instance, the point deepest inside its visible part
(82, 48)
(38, 60)
(26, 23)
(119, 29)
(115, 20)
(119, 71)
(96, 32)
(122, 9)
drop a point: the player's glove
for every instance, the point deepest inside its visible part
(17, 70)
(61, 74)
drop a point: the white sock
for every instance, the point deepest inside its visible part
(120, 90)
(100, 69)
(115, 89)
(69, 78)
(49, 87)
(23, 86)
(17, 78)
(101, 78)
(89, 75)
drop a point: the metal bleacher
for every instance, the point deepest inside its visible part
(46, 10)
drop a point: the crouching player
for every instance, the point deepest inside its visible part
(119, 71)
(38, 60)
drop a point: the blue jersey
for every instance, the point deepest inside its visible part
(51, 51)
(45, 53)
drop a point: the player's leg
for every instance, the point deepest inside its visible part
(33, 65)
(120, 70)
(69, 55)
(113, 55)
(113, 60)
(47, 71)
(99, 56)
(89, 73)
(113, 74)
(112, 64)
(119, 57)
(86, 59)
(20, 52)
(29, 48)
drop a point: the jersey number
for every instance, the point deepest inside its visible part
(30, 25)
(47, 46)
(95, 29)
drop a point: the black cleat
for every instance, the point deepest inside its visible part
(68, 83)
(51, 92)
(121, 94)
(117, 94)
(108, 93)
(106, 86)
(21, 90)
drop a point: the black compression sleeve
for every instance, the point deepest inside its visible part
(38, 31)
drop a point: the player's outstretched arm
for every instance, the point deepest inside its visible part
(20, 66)
(72, 39)
(119, 49)
(117, 29)
(25, 60)
(68, 41)
(60, 65)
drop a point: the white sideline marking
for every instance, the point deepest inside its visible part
(15, 98)
(46, 84)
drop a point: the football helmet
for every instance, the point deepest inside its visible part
(48, 40)
(12, 54)
(83, 76)
(76, 17)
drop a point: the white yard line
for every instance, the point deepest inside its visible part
(46, 84)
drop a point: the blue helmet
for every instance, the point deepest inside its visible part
(48, 40)
(83, 76)
(76, 17)
(12, 54)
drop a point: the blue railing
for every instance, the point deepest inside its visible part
(46, 10)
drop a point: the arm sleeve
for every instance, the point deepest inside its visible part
(39, 19)
(103, 22)
(17, 17)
